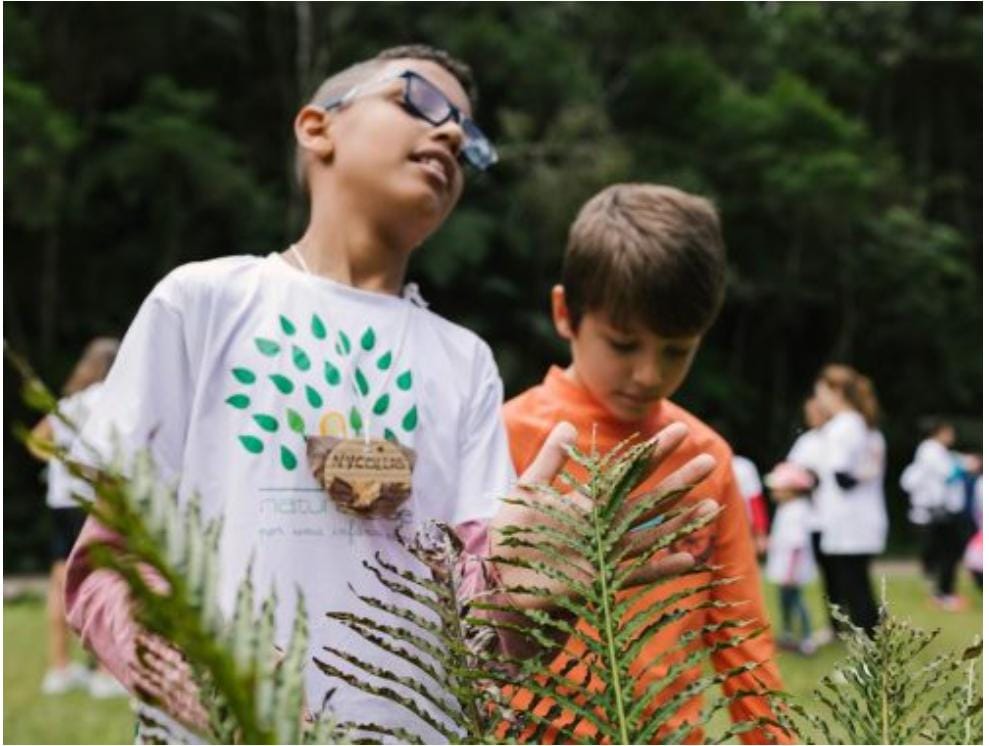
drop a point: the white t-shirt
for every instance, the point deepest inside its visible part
(61, 484)
(789, 556)
(747, 476)
(926, 480)
(852, 521)
(749, 483)
(230, 362)
(808, 451)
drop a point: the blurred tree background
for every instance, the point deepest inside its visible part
(842, 143)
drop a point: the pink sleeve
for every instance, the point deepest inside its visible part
(97, 604)
(98, 607)
(479, 576)
(474, 568)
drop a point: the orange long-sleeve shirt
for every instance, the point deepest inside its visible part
(726, 543)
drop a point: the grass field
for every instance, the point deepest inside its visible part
(28, 717)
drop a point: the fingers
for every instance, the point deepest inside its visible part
(162, 676)
(641, 541)
(661, 566)
(551, 456)
(667, 441)
(680, 481)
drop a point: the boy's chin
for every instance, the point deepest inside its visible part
(423, 215)
(629, 414)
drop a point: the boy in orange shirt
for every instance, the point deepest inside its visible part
(643, 279)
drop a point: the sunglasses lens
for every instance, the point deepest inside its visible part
(477, 149)
(428, 101)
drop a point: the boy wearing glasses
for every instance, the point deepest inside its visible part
(643, 279)
(310, 397)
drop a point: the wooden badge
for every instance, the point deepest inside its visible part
(363, 478)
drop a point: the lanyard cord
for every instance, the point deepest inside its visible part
(362, 401)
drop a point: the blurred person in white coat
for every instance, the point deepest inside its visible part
(851, 502)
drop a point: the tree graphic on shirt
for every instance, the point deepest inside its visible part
(310, 365)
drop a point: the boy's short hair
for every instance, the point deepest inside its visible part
(649, 254)
(360, 72)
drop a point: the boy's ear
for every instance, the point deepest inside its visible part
(312, 131)
(561, 316)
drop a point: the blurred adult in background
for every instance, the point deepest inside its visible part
(851, 505)
(808, 451)
(79, 396)
(936, 484)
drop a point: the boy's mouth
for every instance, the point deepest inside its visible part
(436, 162)
(636, 400)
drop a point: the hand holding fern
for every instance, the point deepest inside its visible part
(529, 511)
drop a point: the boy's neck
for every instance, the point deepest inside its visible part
(340, 247)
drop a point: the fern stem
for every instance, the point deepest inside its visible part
(473, 705)
(616, 685)
(884, 692)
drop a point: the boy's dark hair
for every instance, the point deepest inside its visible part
(339, 83)
(649, 254)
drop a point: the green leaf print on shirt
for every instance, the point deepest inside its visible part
(304, 404)
(289, 461)
(295, 421)
(356, 422)
(240, 401)
(318, 327)
(252, 444)
(244, 375)
(343, 346)
(410, 420)
(300, 358)
(282, 383)
(266, 422)
(313, 397)
(362, 384)
(381, 405)
(267, 347)
(331, 373)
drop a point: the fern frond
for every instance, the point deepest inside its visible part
(637, 621)
(430, 649)
(400, 612)
(393, 695)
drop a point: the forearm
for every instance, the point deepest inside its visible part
(100, 609)
(480, 579)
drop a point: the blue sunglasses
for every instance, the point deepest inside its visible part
(425, 101)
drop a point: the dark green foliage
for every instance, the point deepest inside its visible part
(841, 142)
(886, 692)
(472, 686)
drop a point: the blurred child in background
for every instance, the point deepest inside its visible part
(78, 397)
(790, 556)
(973, 552)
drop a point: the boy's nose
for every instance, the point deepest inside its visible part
(648, 373)
(451, 135)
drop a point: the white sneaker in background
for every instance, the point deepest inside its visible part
(62, 680)
(104, 686)
(822, 637)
